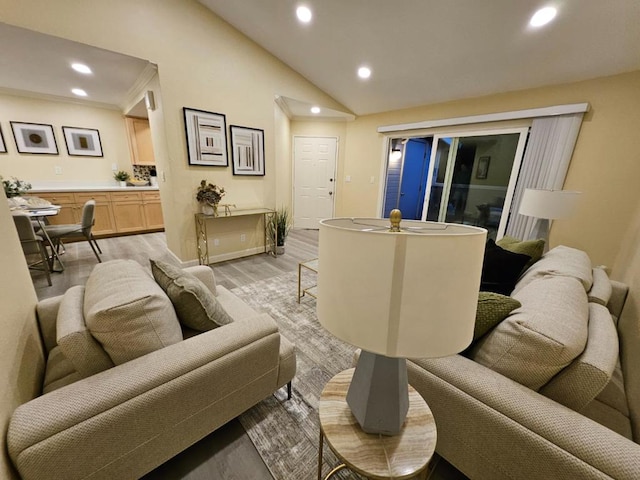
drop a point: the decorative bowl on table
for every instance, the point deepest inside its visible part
(137, 183)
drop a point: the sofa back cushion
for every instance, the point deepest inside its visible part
(541, 337)
(74, 339)
(127, 312)
(580, 382)
(560, 261)
(601, 289)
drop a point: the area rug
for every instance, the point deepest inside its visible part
(286, 432)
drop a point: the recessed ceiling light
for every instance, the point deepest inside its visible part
(543, 16)
(304, 14)
(315, 109)
(81, 67)
(364, 72)
(78, 91)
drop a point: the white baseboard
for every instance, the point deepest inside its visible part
(223, 257)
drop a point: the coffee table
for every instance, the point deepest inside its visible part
(312, 291)
(375, 456)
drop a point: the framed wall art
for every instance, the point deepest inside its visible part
(82, 142)
(206, 137)
(34, 138)
(247, 147)
(3, 146)
(483, 168)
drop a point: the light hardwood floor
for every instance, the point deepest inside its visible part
(227, 453)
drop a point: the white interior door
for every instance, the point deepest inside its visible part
(314, 179)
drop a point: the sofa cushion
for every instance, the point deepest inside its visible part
(601, 289)
(501, 269)
(492, 309)
(74, 339)
(542, 337)
(580, 382)
(59, 371)
(560, 261)
(195, 305)
(533, 248)
(127, 311)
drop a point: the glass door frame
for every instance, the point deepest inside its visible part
(513, 178)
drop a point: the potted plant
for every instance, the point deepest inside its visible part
(209, 195)
(122, 177)
(278, 227)
(14, 187)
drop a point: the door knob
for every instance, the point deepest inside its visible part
(330, 193)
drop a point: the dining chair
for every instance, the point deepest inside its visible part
(83, 229)
(32, 244)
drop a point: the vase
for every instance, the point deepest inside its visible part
(123, 184)
(210, 209)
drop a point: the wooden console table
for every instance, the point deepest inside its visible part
(202, 240)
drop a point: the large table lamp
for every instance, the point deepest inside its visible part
(396, 292)
(547, 205)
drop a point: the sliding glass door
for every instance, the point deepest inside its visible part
(472, 177)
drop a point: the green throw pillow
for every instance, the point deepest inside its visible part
(492, 309)
(533, 248)
(195, 305)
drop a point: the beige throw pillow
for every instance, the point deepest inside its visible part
(196, 306)
(127, 312)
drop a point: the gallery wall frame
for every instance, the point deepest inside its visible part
(247, 147)
(34, 138)
(3, 146)
(206, 137)
(482, 169)
(82, 142)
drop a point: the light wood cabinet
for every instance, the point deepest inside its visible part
(152, 210)
(115, 212)
(140, 145)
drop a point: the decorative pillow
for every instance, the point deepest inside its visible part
(533, 248)
(492, 309)
(196, 306)
(501, 269)
(127, 311)
(542, 337)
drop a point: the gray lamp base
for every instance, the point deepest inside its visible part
(379, 393)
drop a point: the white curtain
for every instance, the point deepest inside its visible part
(545, 164)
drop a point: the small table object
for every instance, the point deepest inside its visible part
(378, 457)
(313, 291)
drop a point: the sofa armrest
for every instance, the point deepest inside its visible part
(491, 427)
(47, 310)
(125, 421)
(205, 274)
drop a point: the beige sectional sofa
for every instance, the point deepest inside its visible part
(552, 392)
(114, 413)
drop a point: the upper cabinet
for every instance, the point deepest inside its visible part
(140, 141)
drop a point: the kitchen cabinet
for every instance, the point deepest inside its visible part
(116, 212)
(140, 145)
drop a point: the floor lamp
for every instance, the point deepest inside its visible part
(546, 205)
(396, 292)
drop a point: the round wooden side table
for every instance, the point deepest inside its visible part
(377, 457)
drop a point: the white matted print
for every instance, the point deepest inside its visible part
(247, 146)
(34, 138)
(3, 146)
(206, 137)
(82, 142)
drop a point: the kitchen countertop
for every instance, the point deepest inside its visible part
(88, 188)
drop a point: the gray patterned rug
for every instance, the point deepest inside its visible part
(286, 433)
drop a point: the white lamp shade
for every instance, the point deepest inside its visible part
(408, 294)
(549, 204)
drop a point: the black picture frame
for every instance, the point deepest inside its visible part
(3, 145)
(34, 138)
(206, 134)
(247, 150)
(482, 170)
(82, 142)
